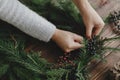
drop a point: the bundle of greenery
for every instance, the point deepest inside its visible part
(17, 64)
(63, 13)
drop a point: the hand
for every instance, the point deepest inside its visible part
(93, 22)
(66, 40)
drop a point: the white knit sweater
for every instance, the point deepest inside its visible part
(15, 13)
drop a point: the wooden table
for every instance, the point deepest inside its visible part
(98, 69)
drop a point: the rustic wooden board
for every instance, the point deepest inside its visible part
(99, 69)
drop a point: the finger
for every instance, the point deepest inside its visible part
(76, 45)
(89, 32)
(78, 38)
(97, 30)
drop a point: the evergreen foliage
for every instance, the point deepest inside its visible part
(62, 13)
(17, 64)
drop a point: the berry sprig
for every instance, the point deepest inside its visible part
(92, 47)
(67, 59)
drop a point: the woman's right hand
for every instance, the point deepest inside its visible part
(67, 41)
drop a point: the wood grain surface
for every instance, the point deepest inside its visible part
(98, 70)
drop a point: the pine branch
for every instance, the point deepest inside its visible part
(113, 49)
(111, 39)
(3, 69)
(16, 63)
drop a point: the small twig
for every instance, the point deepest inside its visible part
(15, 41)
(32, 59)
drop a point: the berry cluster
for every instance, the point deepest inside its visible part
(115, 19)
(67, 59)
(94, 45)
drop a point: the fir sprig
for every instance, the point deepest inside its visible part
(20, 62)
(62, 13)
(17, 64)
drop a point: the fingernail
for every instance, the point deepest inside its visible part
(82, 42)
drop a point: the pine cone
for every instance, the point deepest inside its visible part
(114, 18)
(115, 72)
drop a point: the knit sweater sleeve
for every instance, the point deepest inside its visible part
(15, 13)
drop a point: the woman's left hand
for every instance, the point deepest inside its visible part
(93, 22)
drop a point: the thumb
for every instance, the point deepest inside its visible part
(76, 45)
(78, 38)
(89, 31)
(98, 29)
